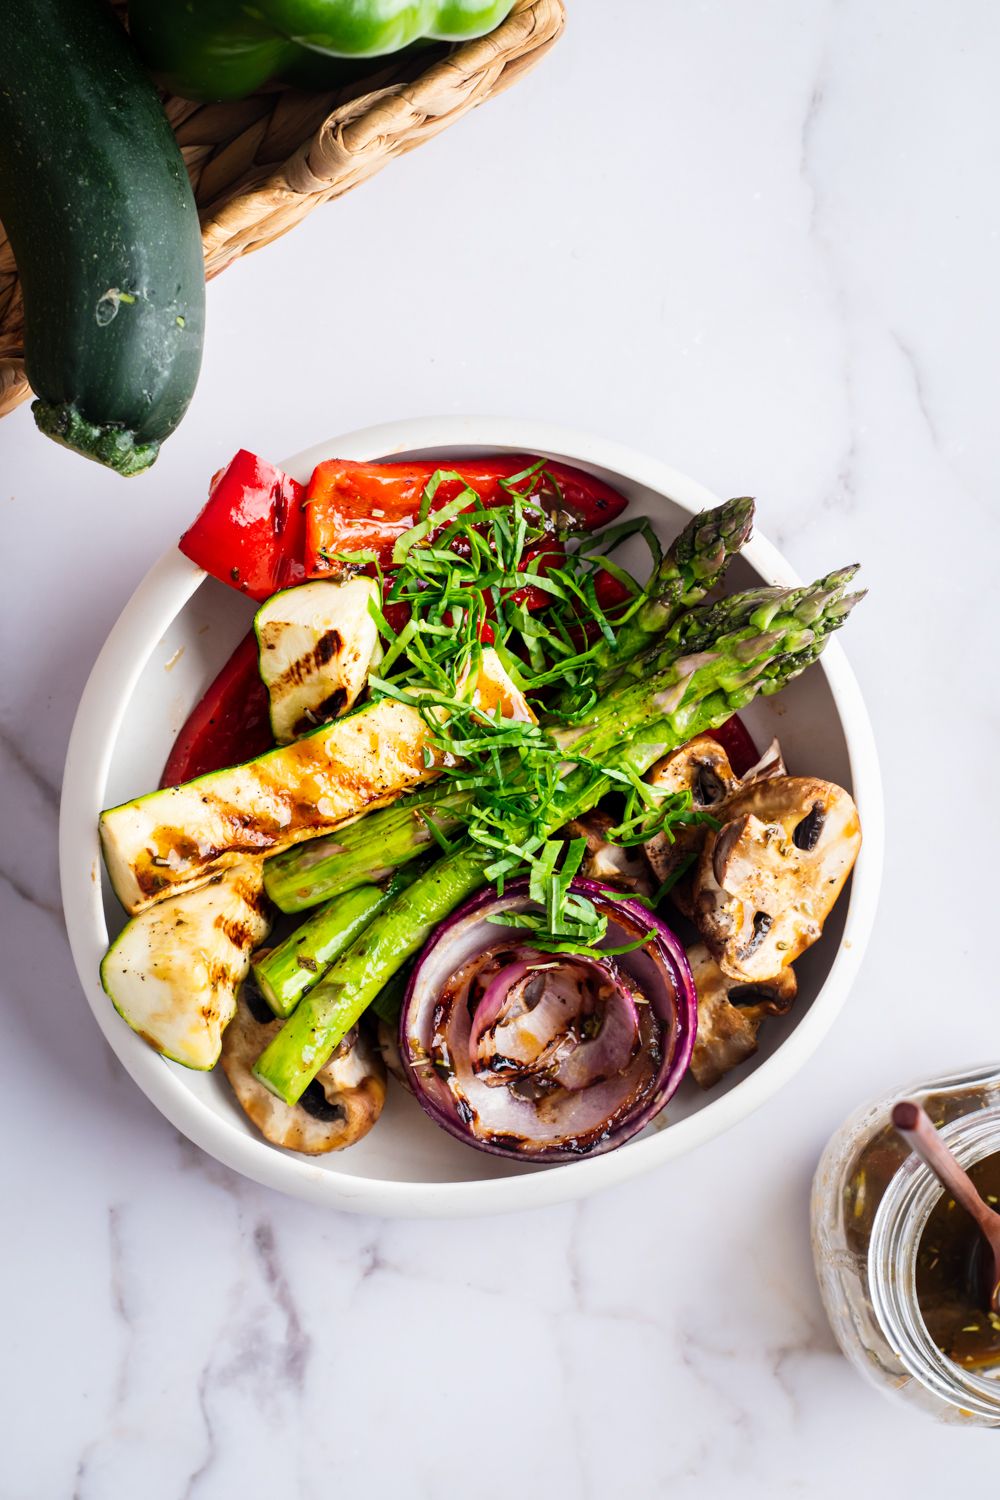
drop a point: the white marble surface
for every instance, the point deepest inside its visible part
(762, 243)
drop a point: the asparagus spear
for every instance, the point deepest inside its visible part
(285, 973)
(367, 850)
(693, 564)
(370, 848)
(692, 695)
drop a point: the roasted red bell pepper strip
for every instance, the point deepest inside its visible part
(251, 530)
(254, 534)
(361, 507)
(231, 723)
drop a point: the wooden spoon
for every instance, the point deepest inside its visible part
(914, 1125)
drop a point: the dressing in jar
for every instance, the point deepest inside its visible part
(897, 1259)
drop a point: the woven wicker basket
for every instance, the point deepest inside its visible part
(260, 165)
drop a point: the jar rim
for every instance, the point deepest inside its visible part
(897, 1230)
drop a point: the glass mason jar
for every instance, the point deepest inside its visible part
(871, 1201)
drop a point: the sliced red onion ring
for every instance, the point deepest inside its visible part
(571, 1019)
(545, 1057)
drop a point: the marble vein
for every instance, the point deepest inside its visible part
(843, 495)
(919, 390)
(297, 1345)
(29, 768)
(47, 905)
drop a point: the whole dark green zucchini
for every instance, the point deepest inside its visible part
(104, 229)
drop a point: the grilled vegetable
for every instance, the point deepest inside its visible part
(173, 839)
(544, 1057)
(102, 221)
(173, 972)
(694, 564)
(285, 973)
(701, 769)
(358, 855)
(769, 878)
(362, 507)
(705, 772)
(316, 645)
(231, 722)
(730, 1014)
(686, 697)
(251, 531)
(338, 1108)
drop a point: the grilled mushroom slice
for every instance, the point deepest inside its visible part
(767, 880)
(625, 869)
(702, 768)
(730, 1014)
(337, 1109)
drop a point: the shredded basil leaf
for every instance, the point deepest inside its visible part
(464, 572)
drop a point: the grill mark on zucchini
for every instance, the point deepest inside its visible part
(326, 648)
(316, 643)
(328, 709)
(172, 839)
(174, 970)
(239, 933)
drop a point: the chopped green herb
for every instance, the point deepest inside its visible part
(463, 572)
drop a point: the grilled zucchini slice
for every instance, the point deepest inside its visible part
(317, 643)
(174, 839)
(174, 971)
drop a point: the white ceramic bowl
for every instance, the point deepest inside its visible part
(172, 637)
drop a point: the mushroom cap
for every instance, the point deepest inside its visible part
(336, 1110)
(702, 768)
(730, 1014)
(767, 880)
(611, 864)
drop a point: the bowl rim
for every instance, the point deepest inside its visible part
(157, 600)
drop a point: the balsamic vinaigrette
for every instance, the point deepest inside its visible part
(948, 1289)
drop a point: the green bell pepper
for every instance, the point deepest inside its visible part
(225, 49)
